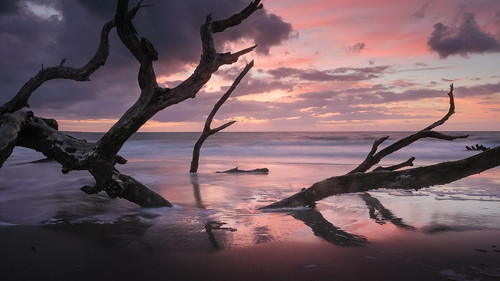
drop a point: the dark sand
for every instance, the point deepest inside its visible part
(46, 253)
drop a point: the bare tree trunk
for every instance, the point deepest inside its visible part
(207, 131)
(24, 129)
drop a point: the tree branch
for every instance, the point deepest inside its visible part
(154, 98)
(415, 178)
(407, 163)
(63, 72)
(10, 127)
(357, 180)
(207, 131)
(219, 26)
(373, 159)
(99, 158)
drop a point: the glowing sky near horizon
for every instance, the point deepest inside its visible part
(320, 65)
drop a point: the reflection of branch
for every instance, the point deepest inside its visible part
(381, 214)
(196, 188)
(326, 230)
(211, 225)
(261, 235)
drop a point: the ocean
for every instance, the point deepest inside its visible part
(216, 214)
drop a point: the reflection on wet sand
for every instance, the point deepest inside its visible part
(326, 230)
(216, 225)
(381, 214)
(196, 189)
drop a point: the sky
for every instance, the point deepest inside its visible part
(320, 65)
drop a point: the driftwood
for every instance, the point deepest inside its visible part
(359, 181)
(254, 171)
(477, 147)
(22, 128)
(207, 131)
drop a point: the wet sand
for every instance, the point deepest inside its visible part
(45, 253)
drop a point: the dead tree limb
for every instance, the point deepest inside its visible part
(415, 178)
(207, 131)
(374, 158)
(262, 171)
(99, 158)
(358, 181)
(10, 127)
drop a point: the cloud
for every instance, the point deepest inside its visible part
(420, 14)
(337, 74)
(356, 48)
(29, 40)
(8, 7)
(466, 39)
(266, 30)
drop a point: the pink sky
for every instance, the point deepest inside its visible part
(344, 65)
(394, 35)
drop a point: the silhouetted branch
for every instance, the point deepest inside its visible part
(407, 163)
(373, 159)
(99, 158)
(415, 178)
(207, 131)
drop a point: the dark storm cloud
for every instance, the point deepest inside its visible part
(466, 39)
(337, 74)
(8, 7)
(28, 41)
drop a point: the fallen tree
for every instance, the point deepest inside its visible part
(19, 127)
(358, 180)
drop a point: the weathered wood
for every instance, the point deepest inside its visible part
(374, 158)
(415, 178)
(99, 158)
(207, 131)
(10, 127)
(357, 180)
(154, 98)
(254, 171)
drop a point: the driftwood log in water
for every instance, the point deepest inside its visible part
(19, 127)
(238, 171)
(358, 180)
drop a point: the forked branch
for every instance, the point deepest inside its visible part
(357, 180)
(374, 158)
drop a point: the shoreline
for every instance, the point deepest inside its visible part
(42, 253)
